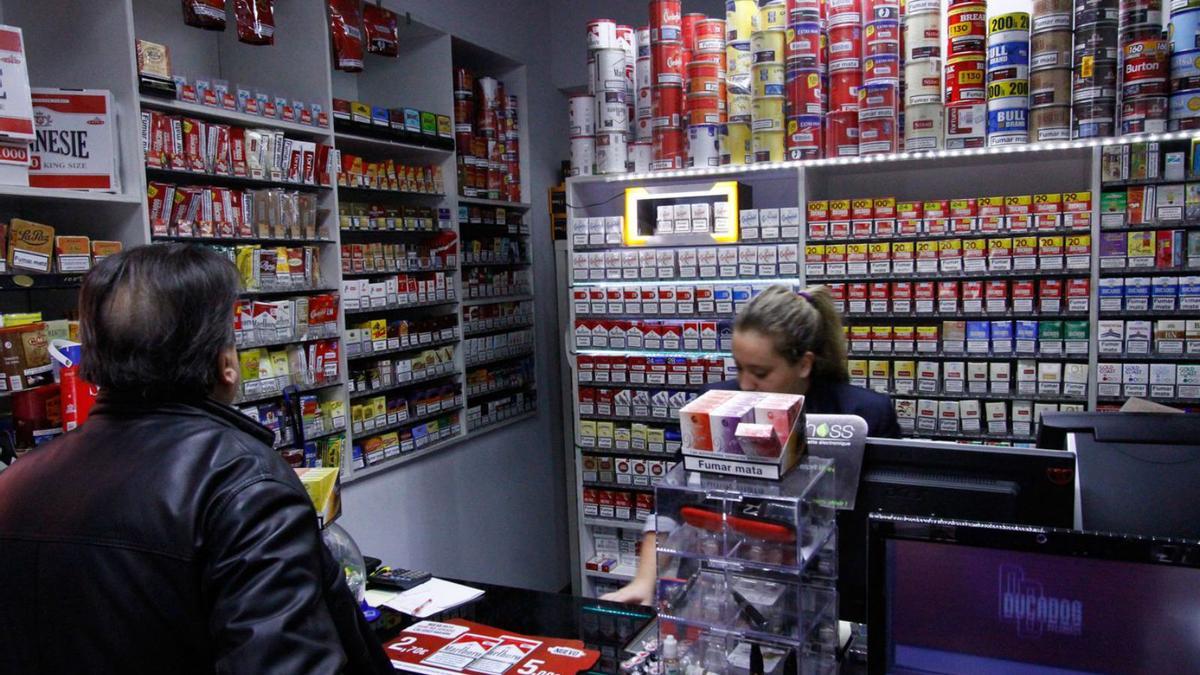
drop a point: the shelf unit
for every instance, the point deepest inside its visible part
(1149, 270)
(1043, 168)
(297, 66)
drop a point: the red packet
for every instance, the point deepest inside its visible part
(206, 14)
(383, 36)
(345, 29)
(255, 21)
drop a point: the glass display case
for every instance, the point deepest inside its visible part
(747, 570)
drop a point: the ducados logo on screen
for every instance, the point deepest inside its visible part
(1024, 603)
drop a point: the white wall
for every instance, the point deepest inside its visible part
(492, 509)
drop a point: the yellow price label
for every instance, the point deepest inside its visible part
(970, 77)
(924, 246)
(1006, 88)
(880, 247)
(959, 29)
(994, 244)
(1079, 240)
(1012, 21)
(950, 245)
(975, 244)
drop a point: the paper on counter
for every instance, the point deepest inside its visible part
(431, 597)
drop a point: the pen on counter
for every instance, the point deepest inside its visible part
(423, 605)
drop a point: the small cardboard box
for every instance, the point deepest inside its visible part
(30, 245)
(722, 412)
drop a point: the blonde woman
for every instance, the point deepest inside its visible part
(790, 343)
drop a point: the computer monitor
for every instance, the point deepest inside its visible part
(949, 480)
(961, 597)
(1139, 473)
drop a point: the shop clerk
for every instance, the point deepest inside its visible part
(790, 343)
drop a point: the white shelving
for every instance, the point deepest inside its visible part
(231, 117)
(359, 142)
(475, 201)
(298, 67)
(74, 196)
(1043, 168)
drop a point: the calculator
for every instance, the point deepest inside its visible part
(398, 579)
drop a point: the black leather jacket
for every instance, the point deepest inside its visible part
(169, 538)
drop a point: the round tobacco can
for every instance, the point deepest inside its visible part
(965, 79)
(611, 153)
(768, 46)
(601, 34)
(667, 107)
(641, 155)
(881, 68)
(923, 127)
(1051, 49)
(804, 92)
(841, 134)
(1185, 71)
(583, 155)
(1144, 115)
(1050, 87)
(1184, 30)
(666, 20)
(1185, 109)
(705, 109)
(704, 142)
(877, 136)
(843, 90)
(582, 111)
(922, 82)
(966, 30)
(922, 36)
(1145, 68)
(768, 114)
(768, 145)
(1093, 119)
(738, 145)
(803, 140)
(1050, 123)
(768, 79)
(1094, 79)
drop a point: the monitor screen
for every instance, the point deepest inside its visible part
(950, 607)
(948, 480)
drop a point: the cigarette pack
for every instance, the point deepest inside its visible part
(759, 440)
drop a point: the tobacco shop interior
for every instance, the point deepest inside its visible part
(709, 336)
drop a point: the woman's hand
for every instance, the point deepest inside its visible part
(637, 592)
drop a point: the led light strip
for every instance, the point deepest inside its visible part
(664, 354)
(689, 282)
(891, 157)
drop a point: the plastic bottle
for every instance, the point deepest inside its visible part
(670, 656)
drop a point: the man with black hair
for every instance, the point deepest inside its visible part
(165, 535)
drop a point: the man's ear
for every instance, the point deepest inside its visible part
(228, 368)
